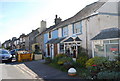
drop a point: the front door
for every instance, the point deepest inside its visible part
(55, 50)
(48, 49)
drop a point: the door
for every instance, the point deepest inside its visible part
(48, 49)
(55, 50)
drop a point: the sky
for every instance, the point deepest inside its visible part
(23, 16)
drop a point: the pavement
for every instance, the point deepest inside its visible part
(39, 70)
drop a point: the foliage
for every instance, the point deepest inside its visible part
(59, 56)
(81, 60)
(118, 57)
(96, 61)
(58, 67)
(48, 60)
(84, 73)
(63, 60)
(108, 75)
(117, 66)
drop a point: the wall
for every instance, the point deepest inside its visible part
(45, 40)
(54, 34)
(60, 32)
(97, 23)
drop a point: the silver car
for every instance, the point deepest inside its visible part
(5, 55)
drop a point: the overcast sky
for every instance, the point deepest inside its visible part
(22, 16)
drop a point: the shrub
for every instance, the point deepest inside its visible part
(96, 61)
(48, 60)
(82, 60)
(59, 56)
(117, 66)
(63, 60)
(84, 73)
(108, 75)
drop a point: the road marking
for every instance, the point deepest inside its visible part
(19, 69)
(28, 71)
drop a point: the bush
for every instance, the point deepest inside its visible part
(48, 60)
(59, 56)
(63, 60)
(108, 75)
(81, 60)
(96, 61)
(84, 73)
(117, 66)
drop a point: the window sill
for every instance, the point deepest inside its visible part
(77, 33)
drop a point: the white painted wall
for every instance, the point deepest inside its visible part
(70, 30)
(60, 32)
(97, 23)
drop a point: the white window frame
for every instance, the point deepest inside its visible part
(65, 31)
(76, 28)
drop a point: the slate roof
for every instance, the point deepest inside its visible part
(55, 41)
(88, 10)
(77, 39)
(107, 34)
(85, 12)
(69, 40)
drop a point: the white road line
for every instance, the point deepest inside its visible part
(23, 70)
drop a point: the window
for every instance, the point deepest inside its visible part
(107, 48)
(77, 28)
(61, 48)
(50, 34)
(65, 31)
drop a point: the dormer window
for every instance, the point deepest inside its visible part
(50, 35)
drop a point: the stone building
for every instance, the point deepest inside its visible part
(40, 37)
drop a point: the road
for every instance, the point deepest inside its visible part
(9, 71)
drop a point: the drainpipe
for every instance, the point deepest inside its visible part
(86, 36)
(93, 49)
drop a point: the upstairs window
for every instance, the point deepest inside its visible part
(65, 31)
(77, 28)
(50, 35)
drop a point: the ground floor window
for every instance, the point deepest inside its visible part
(61, 47)
(107, 48)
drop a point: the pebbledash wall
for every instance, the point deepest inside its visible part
(106, 16)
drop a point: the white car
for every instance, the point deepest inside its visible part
(5, 55)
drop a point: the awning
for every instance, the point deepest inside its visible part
(71, 39)
(55, 41)
(107, 34)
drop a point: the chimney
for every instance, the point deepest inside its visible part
(57, 20)
(42, 26)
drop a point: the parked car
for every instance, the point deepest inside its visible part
(5, 55)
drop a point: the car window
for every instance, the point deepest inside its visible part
(5, 52)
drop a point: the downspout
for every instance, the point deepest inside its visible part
(86, 36)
